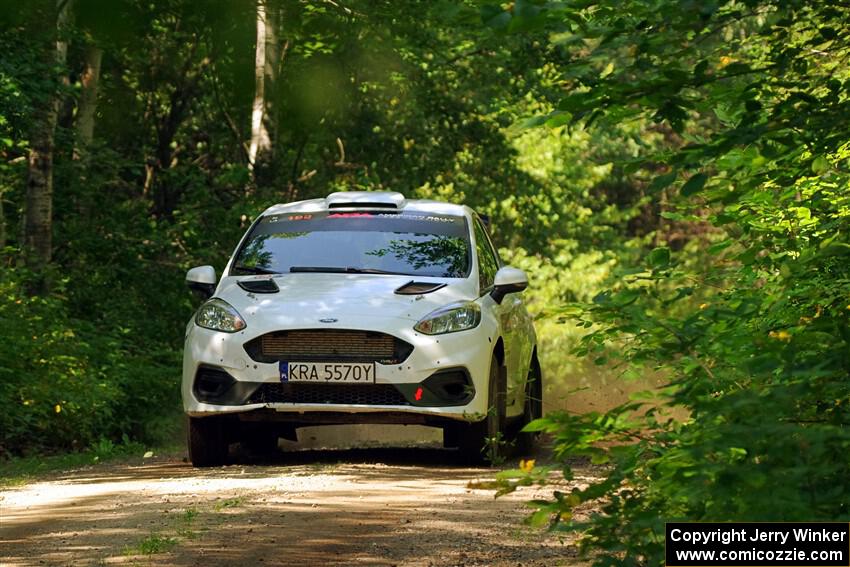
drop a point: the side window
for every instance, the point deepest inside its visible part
(488, 261)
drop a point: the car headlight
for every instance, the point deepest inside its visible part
(450, 319)
(219, 315)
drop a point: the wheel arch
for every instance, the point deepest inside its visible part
(535, 360)
(499, 351)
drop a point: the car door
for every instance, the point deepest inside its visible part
(509, 312)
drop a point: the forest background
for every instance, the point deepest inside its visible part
(673, 175)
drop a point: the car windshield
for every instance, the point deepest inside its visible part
(415, 244)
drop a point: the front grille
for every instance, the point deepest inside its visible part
(328, 345)
(299, 344)
(362, 394)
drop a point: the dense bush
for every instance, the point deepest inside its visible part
(743, 302)
(65, 383)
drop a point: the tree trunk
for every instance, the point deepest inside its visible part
(2, 223)
(266, 62)
(87, 106)
(38, 220)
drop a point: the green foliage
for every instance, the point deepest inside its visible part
(153, 544)
(67, 383)
(19, 470)
(50, 385)
(748, 315)
(372, 95)
(228, 503)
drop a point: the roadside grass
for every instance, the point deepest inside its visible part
(22, 470)
(228, 503)
(151, 545)
(182, 528)
(159, 542)
(185, 527)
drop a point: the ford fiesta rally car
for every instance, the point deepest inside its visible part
(362, 307)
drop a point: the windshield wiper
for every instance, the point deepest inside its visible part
(338, 270)
(253, 270)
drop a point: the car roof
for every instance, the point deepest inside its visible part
(375, 200)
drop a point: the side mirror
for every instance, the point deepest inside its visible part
(508, 280)
(201, 281)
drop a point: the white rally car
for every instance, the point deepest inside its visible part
(362, 307)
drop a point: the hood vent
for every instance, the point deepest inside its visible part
(265, 285)
(418, 288)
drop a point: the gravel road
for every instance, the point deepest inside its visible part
(304, 506)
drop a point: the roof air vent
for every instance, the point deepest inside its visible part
(365, 200)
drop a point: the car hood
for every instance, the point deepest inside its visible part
(340, 300)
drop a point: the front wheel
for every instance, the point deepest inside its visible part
(533, 409)
(207, 441)
(483, 441)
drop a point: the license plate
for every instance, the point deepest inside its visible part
(322, 372)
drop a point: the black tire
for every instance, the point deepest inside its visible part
(483, 441)
(260, 442)
(533, 409)
(207, 441)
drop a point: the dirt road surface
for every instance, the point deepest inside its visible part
(306, 506)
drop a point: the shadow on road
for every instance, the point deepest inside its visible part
(401, 456)
(369, 505)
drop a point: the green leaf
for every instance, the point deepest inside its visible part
(673, 113)
(700, 68)
(599, 458)
(694, 184)
(835, 249)
(558, 118)
(736, 68)
(525, 16)
(576, 102)
(820, 165)
(537, 425)
(659, 257)
(625, 297)
(532, 122)
(747, 257)
(662, 181)
(540, 518)
(719, 246)
(494, 16)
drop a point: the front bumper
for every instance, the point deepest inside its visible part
(411, 388)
